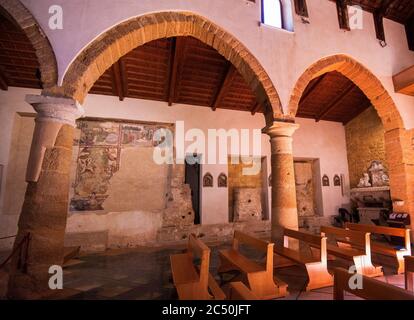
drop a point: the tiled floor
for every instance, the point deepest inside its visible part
(141, 274)
(145, 274)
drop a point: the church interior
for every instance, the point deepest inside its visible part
(207, 150)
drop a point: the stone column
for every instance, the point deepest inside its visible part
(44, 211)
(284, 210)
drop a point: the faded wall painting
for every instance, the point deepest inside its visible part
(100, 144)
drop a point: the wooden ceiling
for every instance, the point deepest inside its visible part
(178, 70)
(19, 66)
(397, 10)
(332, 97)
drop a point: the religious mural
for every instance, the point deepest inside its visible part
(99, 154)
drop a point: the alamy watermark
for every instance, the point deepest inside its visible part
(243, 145)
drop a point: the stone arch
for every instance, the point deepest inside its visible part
(106, 49)
(361, 76)
(398, 141)
(44, 52)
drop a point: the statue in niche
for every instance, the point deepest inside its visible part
(379, 178)
(337, 181)
(325, 181)
(222, 181)
(364, 181)
(208, 180)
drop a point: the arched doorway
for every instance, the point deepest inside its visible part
(15, 12)
(398, 150)
(104, 51)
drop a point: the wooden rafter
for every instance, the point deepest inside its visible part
(379, 15)
(342, 10)
(256, 107)
(3, 81)
(311, 88)
(228, 79)
(357, 112)
(335, 102)
(176, 55)
(301, 8)
(119, 79)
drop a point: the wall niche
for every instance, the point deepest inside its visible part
(208, 180)
(222, 180)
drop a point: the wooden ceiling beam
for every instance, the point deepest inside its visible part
(256, 107)
(335, 102)
(342, 11)
(3, 81)
(174, 63)
(312, 87)
(224, 87)
(119, 79)
(355, 114)
(379, 15)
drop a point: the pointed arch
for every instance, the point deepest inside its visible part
(106, 49)
(398, 141)
(361, 76)
(17, 12)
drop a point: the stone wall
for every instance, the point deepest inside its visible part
(365, 143)
(238, 180)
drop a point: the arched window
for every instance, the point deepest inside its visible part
(272, 13)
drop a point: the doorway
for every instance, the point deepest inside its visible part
(192, 178)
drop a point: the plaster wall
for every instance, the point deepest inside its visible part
(324, 141)
(284, 55)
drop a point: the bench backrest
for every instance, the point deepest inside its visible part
(198, 250)
(258, 244)
(372, 289)
(312, 239)
(396, 232)
(360, 238)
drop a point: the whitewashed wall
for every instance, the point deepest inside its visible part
(284, 55)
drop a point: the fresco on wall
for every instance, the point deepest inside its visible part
(100, 144)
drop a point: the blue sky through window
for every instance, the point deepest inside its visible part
(272, 13)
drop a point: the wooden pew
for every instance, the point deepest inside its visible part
(361, 257)
(371, 289)
(193, 281)
(259, 278)
(384, 249)
(238, 291)
(409, 273)
(316, 267)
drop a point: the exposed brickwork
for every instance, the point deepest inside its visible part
(398, 141)
(44, 52)
(92, 62)
(365, 143)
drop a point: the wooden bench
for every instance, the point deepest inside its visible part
(371, 289)
(193, 280)
(409, 273)
(383, 249)
(259, 278)
(316, 267)
(238, 291)
(361, 257)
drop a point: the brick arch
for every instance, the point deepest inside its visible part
(398, 141)
(98, 56)
(361, 76)
(44, 52)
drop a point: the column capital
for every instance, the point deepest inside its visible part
(281, 129)
(55, 109)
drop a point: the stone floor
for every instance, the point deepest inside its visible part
(143, 274)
